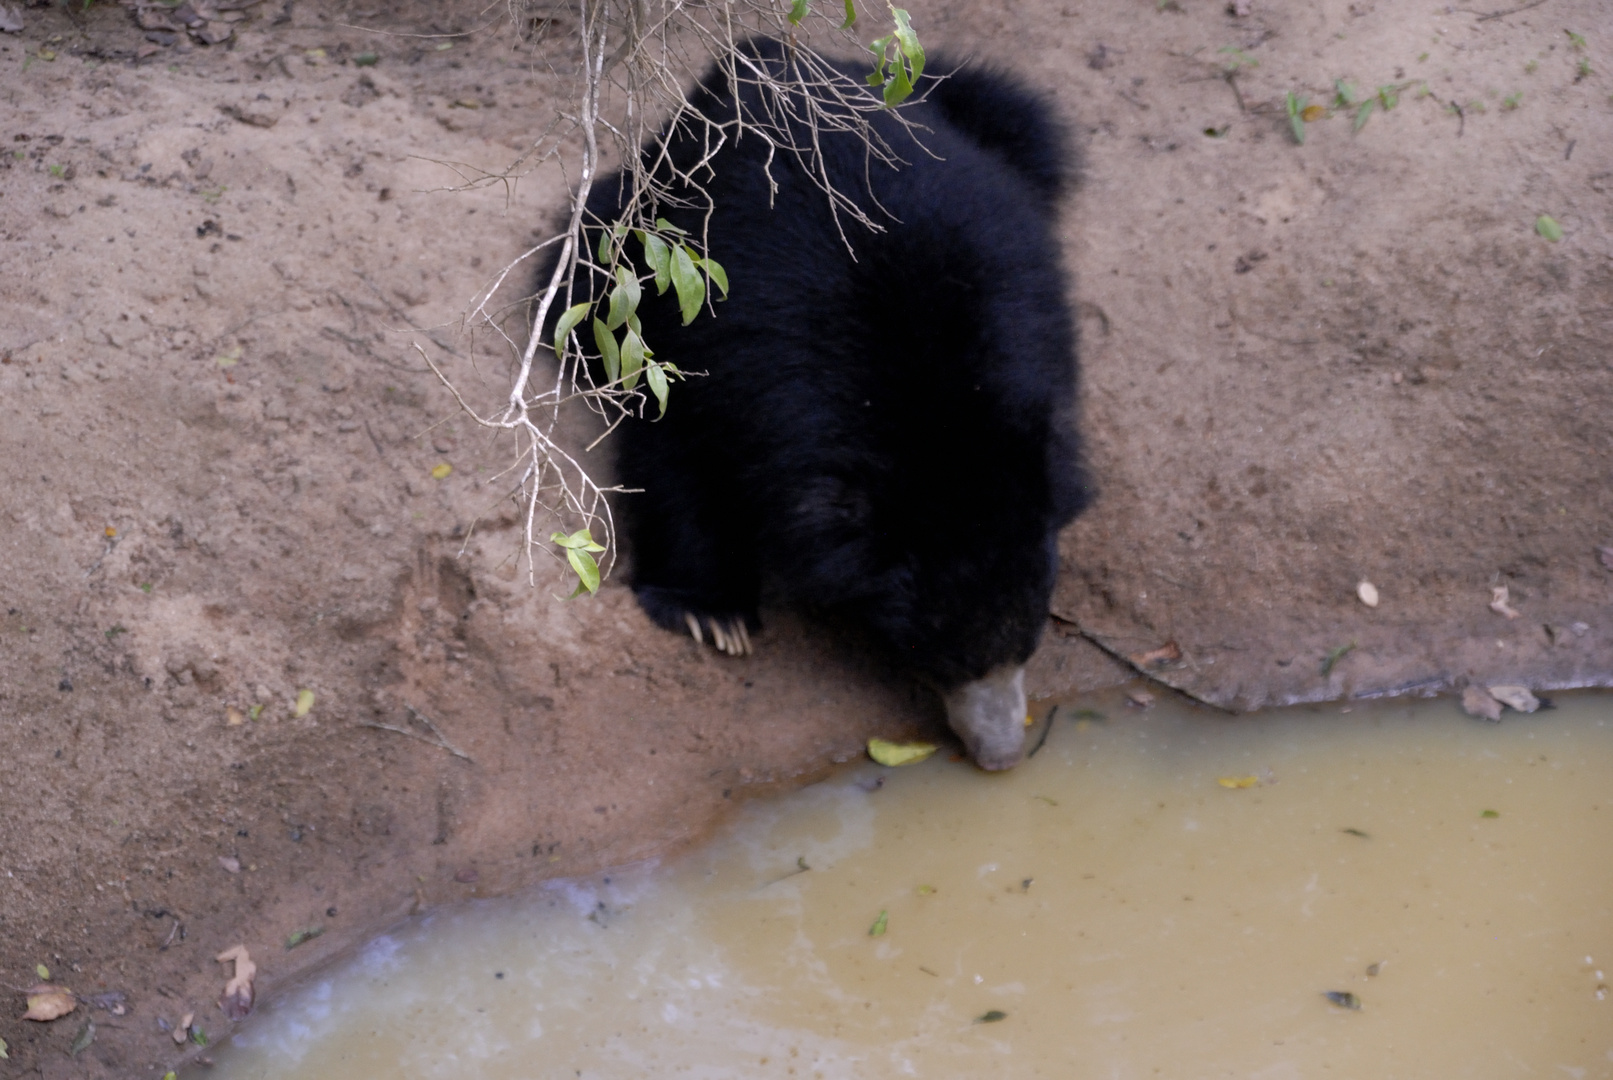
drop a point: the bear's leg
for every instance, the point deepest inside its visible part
(694, 567)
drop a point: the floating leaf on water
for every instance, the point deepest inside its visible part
(1547, 227)
(1477, 701)
(1237, 782)
(305, 704)
(925, 890)
(47, 1002)
(1489, 813)
(893, 754)
(991, 1017)
(1343, 999)
(1357, 832)
(440, 472)
(1368, 593)
(1049, 801)
(1373, 969)
(878, 929)
(1094, 714)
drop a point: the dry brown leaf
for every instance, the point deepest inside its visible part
(1499, 605)
(47, 1002)
(234, 717)
(238, 992)
(230, 863)
(1368, 593)
(1516, 697)
(1477, 701)
(1168, 653)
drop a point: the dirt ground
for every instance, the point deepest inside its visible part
(1305, 366)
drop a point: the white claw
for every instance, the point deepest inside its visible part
(694, 627)
(718, 636)
(744, 635)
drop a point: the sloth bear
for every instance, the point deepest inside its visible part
(878, 424)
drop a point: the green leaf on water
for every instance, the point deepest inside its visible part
(1490, 813)
(605, 341)
(1547, 227)
(1343, 999)
(991, 1017)
(878, 929)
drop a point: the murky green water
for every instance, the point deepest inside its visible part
(1123, 912)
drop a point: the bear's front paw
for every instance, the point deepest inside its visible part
(728, 634)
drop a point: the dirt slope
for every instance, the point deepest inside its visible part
(1305, 366)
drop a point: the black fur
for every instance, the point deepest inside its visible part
(887, 438)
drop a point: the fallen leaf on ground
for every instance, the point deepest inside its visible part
(299, 936)
(1547, 227)
(878, 929)
(1343, 999)
(440, 472)
(1334, 656)
(1516, 697)
(182, 1032)
(305, 704)
(47, 1002)
(81, 1041)
(893, 754)
(1238, 781)
(230, 863)
(1312, 113)
(1498, 602)
(42, 971)
(234, 717)
(238, 992)
(1368, 593)
(1477, 701)
(1168, 653)
(1141, 699)
(991, 1017)
(5, 1051)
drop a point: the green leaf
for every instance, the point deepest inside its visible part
(851, 16)
(1343, 94)
(586, 568)
(659, 256)
(905, 66)
(566, 323)
(878, 929)
(1363, 113)
(892, 754)
(1489, 814)
(42, 971)
(690, 285)
(623, 299)
(81, 1043)
(633, 356)
(1334, 656)
(715, 271)
(1388, 97)
(5, 1052)
(604, 246)
(1295, 104)
(798, 11)
(991, 1016)
(608, 352)
(666, 226)
(1547, 227)
(582, 540)
(655, 378)
(297, 937)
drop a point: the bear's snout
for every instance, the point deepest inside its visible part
(989, 716)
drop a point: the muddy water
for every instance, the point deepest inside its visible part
(1110, 909)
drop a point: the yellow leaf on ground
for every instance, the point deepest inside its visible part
(47, 1002)
(440, 472)
(305, 704)
(1312, 113)
(1238, 781)
(890, 753)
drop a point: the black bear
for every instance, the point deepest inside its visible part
(883, 430)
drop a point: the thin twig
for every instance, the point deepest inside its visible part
(1487, 16)
(438, 740)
